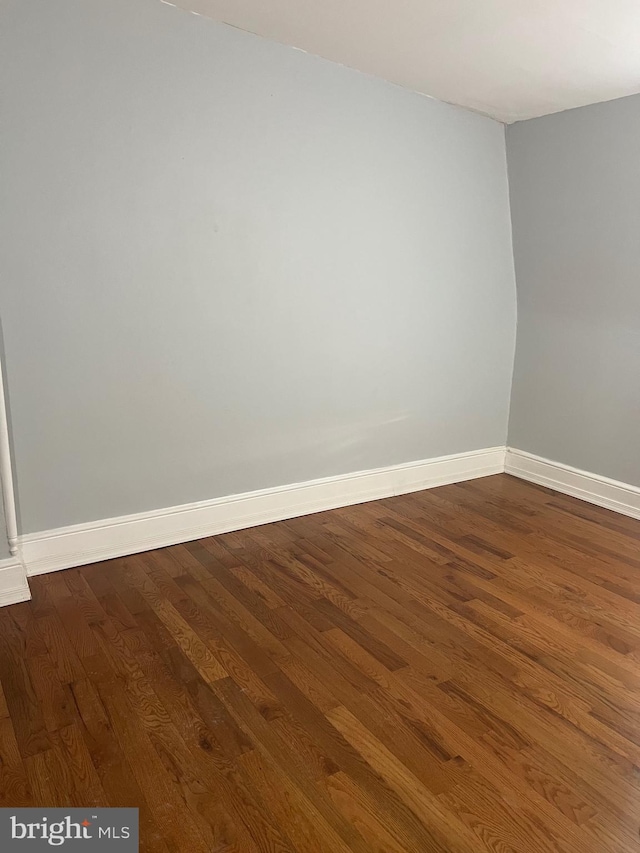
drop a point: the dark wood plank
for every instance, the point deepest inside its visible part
(454, 671)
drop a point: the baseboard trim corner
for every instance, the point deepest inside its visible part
(592, 488)
(93, 542)
(13, 582)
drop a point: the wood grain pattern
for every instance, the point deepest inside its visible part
(453, 671)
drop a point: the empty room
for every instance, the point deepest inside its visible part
(320, 426)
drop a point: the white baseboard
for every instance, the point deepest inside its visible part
(79, 544)
(13, 582)
(612, 494)
(105, 539)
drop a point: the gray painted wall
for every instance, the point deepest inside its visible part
(575, 201)
(228, 265)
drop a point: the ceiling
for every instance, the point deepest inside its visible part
(510, 59)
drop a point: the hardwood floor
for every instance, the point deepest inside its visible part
(453, 670)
